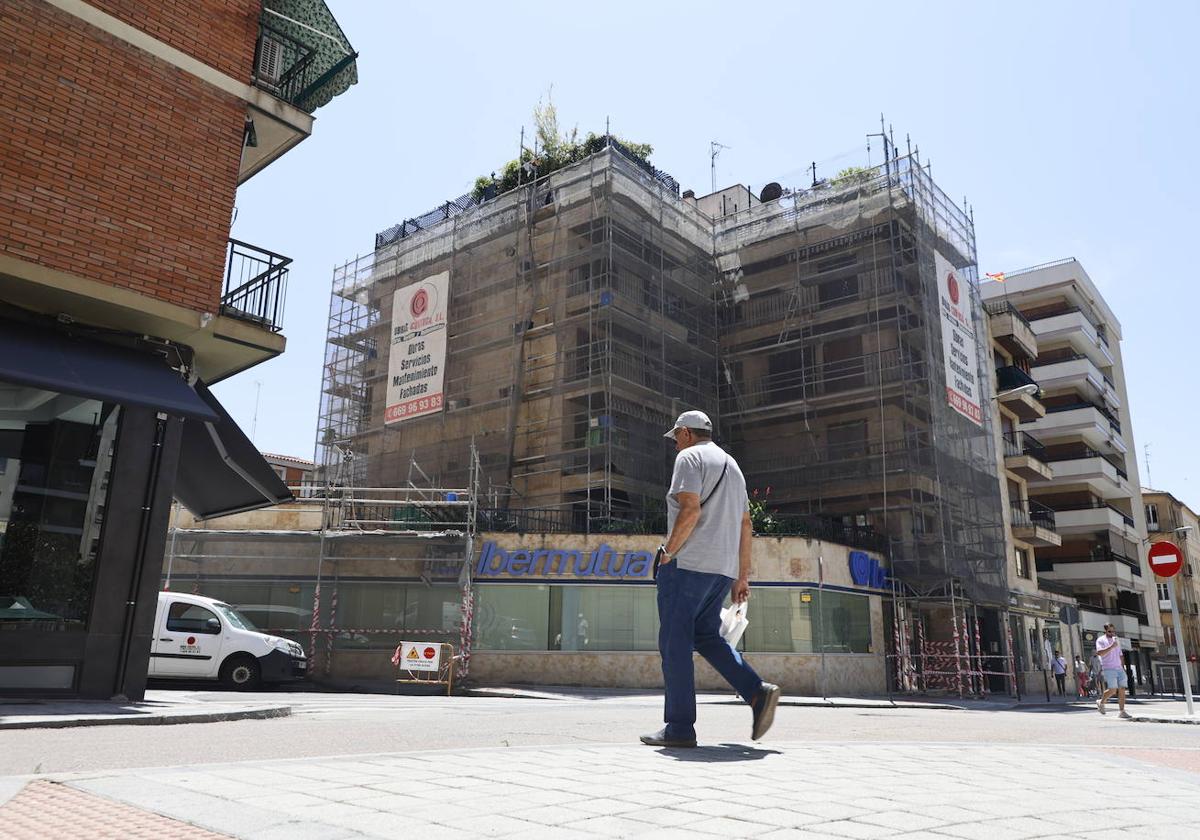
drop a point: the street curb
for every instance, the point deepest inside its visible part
(166, 719)
(533, 694)
(1194, 721)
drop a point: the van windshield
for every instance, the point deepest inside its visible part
(236, 618)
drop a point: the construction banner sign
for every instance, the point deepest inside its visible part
(420, 656)
(417, 357)
(958, 342)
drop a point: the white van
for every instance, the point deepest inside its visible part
(198, 638)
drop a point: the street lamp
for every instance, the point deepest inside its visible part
(1028, 390)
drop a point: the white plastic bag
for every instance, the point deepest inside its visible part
(734, 622)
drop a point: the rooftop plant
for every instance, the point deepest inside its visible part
(554, 150)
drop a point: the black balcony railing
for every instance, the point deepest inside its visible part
(1010, 377)
(1080, 453)
(1113, 422)
(1004, 307)
(283, 66)
(1099, 554)
(255, 285)
(1095, 505)
(1022, 443)
(1029, 513)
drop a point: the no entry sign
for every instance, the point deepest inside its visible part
(1165, 559)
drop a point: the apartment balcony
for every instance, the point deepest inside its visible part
(1092, 570)
(1077, 370)
(1072, 327)
(1025, 457)
(1011, 329)
(1087, 467)
(1094, 424)
(1090, 519)
(1034, 524)
(301, 61)
(255, 285)
(1094, 618)
(1026, 406)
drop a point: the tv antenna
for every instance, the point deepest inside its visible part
(714, 149)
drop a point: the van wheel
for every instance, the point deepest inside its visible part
(240, 672)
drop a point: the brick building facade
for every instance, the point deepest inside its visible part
(125, 130)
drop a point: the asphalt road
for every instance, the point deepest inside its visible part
(326, 724)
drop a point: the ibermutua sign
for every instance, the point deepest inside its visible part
(604, 561)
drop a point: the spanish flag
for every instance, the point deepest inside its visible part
(998, 276)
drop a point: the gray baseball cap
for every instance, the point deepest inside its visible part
(691, 420)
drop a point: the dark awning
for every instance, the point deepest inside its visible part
(220, 470)
(56, 361)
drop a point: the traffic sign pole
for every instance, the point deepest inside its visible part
(1179, 636)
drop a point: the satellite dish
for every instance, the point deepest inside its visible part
(770, 192)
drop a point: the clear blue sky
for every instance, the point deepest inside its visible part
(1072, 128)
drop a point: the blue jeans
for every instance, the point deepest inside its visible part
(689, 619)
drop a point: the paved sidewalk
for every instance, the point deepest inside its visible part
(159, 707)
(854, 790)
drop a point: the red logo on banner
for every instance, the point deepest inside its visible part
(420, 302)
(430, 653)
(191, 640)
(952, 285)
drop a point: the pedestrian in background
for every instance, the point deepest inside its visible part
(1060, 672)
(1108, 647)
(1081, 677)
(706, 557)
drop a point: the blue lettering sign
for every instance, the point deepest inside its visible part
(866, 571)
(545, 562)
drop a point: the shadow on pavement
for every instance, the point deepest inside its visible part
(717, 753)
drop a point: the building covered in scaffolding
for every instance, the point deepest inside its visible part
(834, 333)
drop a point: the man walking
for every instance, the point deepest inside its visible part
(1108, 648)
(706, 556)
(1060, 672)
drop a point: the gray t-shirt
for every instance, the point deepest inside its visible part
(713, 545)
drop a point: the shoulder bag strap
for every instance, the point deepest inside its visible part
(718, 484)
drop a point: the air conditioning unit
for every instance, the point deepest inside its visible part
(270, 60)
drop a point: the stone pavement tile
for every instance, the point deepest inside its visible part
(950, 813)
(666, 817)
(392, 826)
(42, 810)
(610, 826)
(550, 796)
(850, 828)
(301, 830)
(707, 807)
(656, 797)
(407, 788)
(551, 815)
(494, 825)
(831, 810)
(351, 794)
(502, 805)
(211, 812)
(609, 807)
(283, 802)
(987, 830)
(728, 827)
(332, 812)
(901, 821)
(797, 834)
(783, 817)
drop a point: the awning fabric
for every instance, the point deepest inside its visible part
(56, 361)
(311, 23)
(220, 470)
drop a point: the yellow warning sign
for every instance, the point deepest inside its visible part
(412, 654)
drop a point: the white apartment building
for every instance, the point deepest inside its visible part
(1088, 442)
